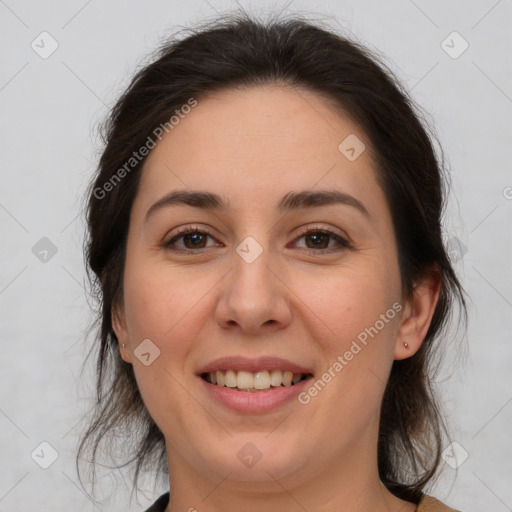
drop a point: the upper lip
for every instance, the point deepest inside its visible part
(253, 365)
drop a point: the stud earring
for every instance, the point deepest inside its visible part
(406, 345)
(124, 345)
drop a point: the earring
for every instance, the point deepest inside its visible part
(124, 345)
(406, 345)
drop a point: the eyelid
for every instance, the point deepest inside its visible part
(317, 227)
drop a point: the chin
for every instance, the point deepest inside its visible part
(254, 458)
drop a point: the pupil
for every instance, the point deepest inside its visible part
(194, 236)
(317, 238)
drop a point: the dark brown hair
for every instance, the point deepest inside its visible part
(239, 51)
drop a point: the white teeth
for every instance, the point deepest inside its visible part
(262, 380)
(230, 379)
(244, 380)
(254, 381)
(287, 378)
(276, 377)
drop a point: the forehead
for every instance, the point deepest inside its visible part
(269, 139)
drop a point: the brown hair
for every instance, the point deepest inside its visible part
(238, 51)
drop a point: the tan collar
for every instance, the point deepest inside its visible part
(429, 504)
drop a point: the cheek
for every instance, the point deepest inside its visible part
(169, 309)
(160, 300)
(360, 312)
(357, 355)
(350, 302)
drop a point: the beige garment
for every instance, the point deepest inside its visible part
(429, 504)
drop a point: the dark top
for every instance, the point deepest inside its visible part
(160, 504)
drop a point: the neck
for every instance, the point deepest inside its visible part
(346, 486)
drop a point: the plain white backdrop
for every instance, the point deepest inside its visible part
(51, 104)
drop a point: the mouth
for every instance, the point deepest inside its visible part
(254, 382)
(254, 385)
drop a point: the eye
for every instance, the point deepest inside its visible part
(320, 239)
(193, 238)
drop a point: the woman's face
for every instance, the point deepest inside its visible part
(253, 286)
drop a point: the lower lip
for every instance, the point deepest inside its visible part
(256, 402)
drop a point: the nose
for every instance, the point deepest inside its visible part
(254, 298)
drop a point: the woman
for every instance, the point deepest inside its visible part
(265, 241)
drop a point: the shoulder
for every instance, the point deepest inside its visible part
(429, 504)
(160, 504)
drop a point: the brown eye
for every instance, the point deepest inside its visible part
(192, 239)
(196, 240)
(319, 239)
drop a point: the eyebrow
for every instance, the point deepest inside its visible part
(291, 201)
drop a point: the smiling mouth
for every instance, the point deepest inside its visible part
(253, 382)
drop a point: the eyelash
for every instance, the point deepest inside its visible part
(193, 230)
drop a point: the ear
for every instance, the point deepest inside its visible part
(119, 325)
(417, 315)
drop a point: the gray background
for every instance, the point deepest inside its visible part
(50, 108)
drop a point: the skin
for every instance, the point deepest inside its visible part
(253, 147)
